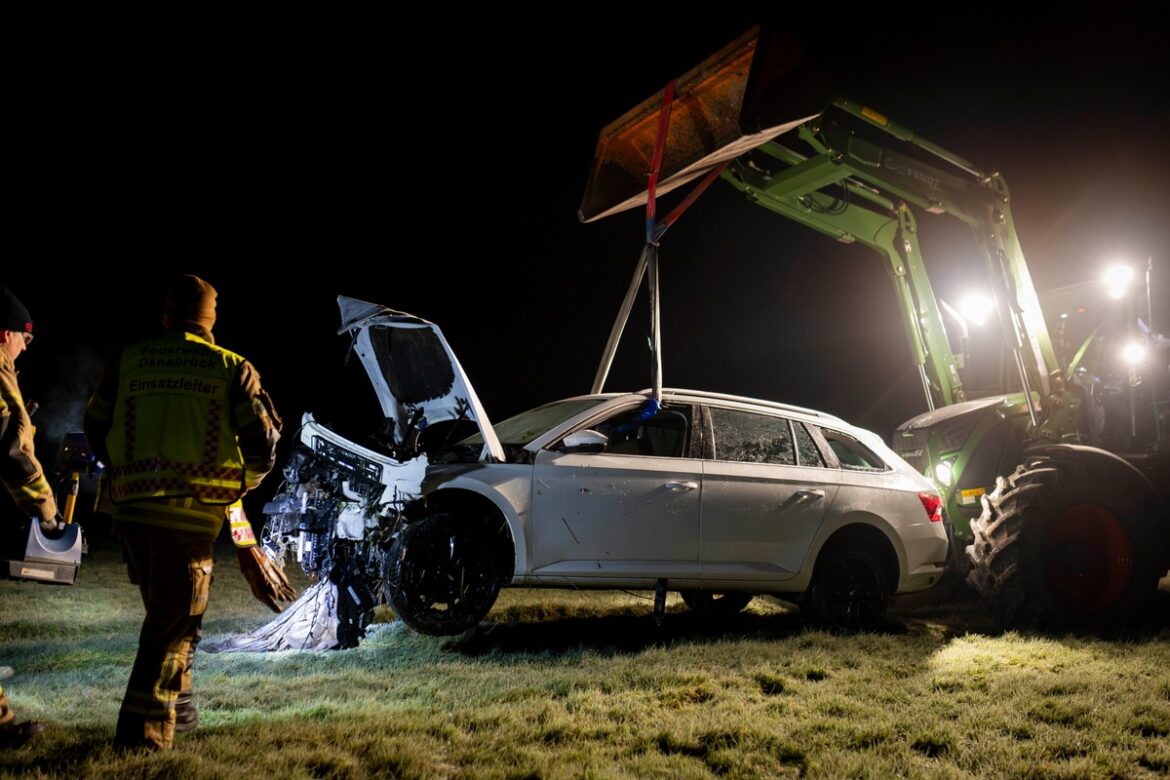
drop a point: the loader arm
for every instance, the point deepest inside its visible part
(744, 104)
(980, 200)
(885, 226)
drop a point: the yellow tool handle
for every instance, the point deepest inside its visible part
(71, 496)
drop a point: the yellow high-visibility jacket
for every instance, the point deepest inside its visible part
(20, 471)
(173, 434)
(172, 421)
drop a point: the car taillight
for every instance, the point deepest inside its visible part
(933, 506)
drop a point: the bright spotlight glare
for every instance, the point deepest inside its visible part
(1117, 280)
(975, 308)
(1133, 353)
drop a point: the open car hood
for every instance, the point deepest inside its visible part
(416, 376)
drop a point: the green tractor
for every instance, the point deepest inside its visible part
(1053, 479)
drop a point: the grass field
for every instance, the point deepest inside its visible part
(568, 684)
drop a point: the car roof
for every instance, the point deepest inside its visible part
(676, 393)
(821, 419)
(739, 399)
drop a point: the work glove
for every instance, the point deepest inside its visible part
(52, 527)
(267, 580)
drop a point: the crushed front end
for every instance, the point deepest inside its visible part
(335, 516)
(341, 503)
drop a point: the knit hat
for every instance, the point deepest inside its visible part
(189, 300)
(13, 315)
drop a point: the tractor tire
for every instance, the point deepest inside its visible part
(849, 591)
(443, 577)
(1074, 539)
(716, 606)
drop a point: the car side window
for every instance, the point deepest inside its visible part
(851, 453)
(663, 435)
(744, 437)
(806, 449)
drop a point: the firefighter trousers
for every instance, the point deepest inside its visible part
(173, 571)
(6, 716)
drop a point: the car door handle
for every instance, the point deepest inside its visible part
(676, 486)
(798, 498)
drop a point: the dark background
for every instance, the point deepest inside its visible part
(436, 168)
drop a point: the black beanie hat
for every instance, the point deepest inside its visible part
(13, 314)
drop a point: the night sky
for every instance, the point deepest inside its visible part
(438, 171)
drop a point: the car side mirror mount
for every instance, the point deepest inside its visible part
(584, 441)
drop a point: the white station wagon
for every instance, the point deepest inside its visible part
(717, 497)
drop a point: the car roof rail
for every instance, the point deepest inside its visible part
(755, 401)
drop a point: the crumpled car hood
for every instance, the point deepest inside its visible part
(416, 376)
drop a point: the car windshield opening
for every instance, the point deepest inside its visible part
(526, 426)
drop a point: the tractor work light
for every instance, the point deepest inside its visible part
(975, 308)
(1133, 353)
(1118, 277)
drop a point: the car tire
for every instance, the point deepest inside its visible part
(849, 591)
(1071, 539)
(443, 577)
(706, 604)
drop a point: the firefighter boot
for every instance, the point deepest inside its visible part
(17, 734)
(186, 716)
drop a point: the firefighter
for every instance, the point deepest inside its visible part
(20, 470)
(13, 734)
(186, 430)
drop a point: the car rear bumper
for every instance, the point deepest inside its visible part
(926, 548)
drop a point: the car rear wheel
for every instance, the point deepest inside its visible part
(443, 577)
(715, 605)
(848, 591)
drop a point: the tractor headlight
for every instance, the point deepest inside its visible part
(1133, 353)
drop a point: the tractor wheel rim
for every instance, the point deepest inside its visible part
(1089, 560)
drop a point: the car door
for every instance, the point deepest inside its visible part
(629, 512)
(765, 494)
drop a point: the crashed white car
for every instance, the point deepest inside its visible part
(717, 497)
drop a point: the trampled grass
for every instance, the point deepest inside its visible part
(568, 684)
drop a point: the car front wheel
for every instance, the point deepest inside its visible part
(443, 578)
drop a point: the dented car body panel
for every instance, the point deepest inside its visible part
(761, 519)
(600, 516)
(507, 486)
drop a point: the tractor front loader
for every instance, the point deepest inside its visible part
(1056, 533)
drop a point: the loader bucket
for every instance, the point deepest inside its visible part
(744, 95)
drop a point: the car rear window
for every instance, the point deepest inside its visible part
(806, 448)
(851, 453)
(744, 437)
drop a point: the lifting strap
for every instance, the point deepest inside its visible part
(648, 259)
